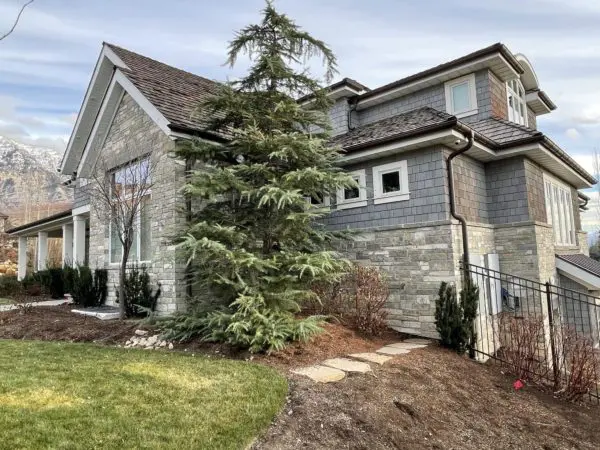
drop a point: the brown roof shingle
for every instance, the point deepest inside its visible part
(176, 93)
(583, 262)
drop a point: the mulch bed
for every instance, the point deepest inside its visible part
(429, 399)
(58, 323)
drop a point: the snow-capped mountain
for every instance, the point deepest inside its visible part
(28, 175)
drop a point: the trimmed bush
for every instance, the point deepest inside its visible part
(139, 299)
(56, 285)
(9, 286)
(89, 289)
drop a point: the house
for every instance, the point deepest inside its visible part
(512, 192)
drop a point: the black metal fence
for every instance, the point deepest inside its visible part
(544, 333)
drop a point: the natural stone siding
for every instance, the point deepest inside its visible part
(134, 134)
(416, 260)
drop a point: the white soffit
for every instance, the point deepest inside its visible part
(592, 282)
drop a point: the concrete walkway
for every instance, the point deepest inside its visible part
(335, 369)
(42, 303)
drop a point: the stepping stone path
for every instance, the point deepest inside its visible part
(335, 369)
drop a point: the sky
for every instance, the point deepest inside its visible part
(46, 64)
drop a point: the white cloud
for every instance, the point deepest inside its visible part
(573, 133)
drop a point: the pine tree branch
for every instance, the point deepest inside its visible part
(16, 20)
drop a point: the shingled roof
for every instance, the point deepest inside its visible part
(396, 127)
(174, 92)
(583, 262)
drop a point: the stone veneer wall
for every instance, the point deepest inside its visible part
(416, 260)
(132, 130)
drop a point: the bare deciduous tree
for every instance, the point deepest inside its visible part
(122, 199)
(16, 22)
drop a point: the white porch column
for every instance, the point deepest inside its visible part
(67, 249)
(78, 240)
(42, 253)
(22, 262)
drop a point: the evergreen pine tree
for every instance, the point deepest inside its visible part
(257, 244)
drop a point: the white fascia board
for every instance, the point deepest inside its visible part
(440, 137)
(119, 85)
(55, 224)
(524, 149)
(592, 282)
(440, 77)
(99, 81)
(85, 209)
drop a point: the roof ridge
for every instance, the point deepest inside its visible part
(118, 47)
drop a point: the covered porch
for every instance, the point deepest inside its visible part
(72, 226)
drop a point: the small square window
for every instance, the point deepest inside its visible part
(390, 182)
(353, 197)
(461, 96)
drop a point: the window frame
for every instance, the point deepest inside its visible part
(559, 211)
(471, 88)
(361, 201)
(520, 101)
(147, 198)
(388, 197)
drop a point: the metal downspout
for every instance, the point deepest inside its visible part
(459, 217)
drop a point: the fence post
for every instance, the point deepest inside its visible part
(552, 344)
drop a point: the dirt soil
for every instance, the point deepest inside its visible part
(429, 399)
(58, 323)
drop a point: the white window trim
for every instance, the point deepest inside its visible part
(470, 79)
(402, 195)
(567, 219)
(326, 204)
(361, 201)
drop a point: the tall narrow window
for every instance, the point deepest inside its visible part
(559, 211)
(128, 183)
(517, 107)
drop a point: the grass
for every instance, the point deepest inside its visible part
(6, 301)
(70, 396)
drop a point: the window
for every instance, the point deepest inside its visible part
(356, 196)
(317, 202)
(461, 96)
(390, 182)
(559, 211)
(129, 182)
(517, 107)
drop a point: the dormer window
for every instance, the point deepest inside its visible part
(517, 107)
(461, 96)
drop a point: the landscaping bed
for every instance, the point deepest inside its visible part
(58, 323)
(65, 395)
(429, 399)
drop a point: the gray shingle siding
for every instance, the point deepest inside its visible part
(470, 189)
(81, 196)
(507, 191)
(428, 200)
(338, 114)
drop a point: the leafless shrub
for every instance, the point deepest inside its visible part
(522, 342)
(578, 364)
(358, 300)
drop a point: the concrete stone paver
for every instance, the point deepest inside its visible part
(347, 365)
(42, 303)
(389, 350)
(406, 346)
(421, 341)
(371, 357)
(321, 374)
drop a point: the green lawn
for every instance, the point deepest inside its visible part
(66, 396)
(6, 301)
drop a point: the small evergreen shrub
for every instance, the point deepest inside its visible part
(454, 319)
(139, 299)
(89, 288)
(69, 273)
(9, 286)
(56, 285)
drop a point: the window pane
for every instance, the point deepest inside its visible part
(350, 194)
(390, 182)
(460, 97)
(145, 224)
(115, 245)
